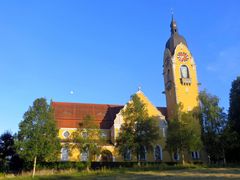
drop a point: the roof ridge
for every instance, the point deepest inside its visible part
(55, 102)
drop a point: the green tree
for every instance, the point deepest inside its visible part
(234, 108)
(7, 149)
(88, 139)
(232, 133)
(138, 130)
(184, 133)
(38, 136)
(213, 122)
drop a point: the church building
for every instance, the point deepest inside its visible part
(181, 86)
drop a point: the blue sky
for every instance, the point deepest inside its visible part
(103, 50)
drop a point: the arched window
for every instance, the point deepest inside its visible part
(176, 156)
(158, 153)
(184, 71)
(127, 155)
(142, 153)
(84, 156)
(195, 155)
(64, 154)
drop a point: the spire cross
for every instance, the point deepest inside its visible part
(172, 13)
(139, 88)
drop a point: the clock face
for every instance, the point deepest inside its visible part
(182, 56)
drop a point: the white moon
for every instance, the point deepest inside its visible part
(71, 92)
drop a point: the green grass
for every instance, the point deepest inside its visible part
(179, 173)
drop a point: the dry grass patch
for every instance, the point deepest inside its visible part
(122, 174)
(190, 174)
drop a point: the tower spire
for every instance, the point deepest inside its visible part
(173, 24)
(172, 13)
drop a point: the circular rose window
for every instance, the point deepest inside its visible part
(66, 134)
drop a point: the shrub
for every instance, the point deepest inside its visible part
(61, 165)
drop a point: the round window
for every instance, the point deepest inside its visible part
(66, 134)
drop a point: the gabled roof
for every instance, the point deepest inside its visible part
(151, 109)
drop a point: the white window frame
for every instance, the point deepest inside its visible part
(187, 69)
(195, 155)
(64, 157)
(66, 131)
(86, 153)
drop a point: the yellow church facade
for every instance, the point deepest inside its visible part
(181, 86)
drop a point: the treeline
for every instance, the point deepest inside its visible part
(220, 130)
(208, 128)
(231, 133)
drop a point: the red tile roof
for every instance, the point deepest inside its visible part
(69, 115)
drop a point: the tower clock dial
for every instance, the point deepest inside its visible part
(182, 56)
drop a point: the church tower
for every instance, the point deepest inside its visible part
(179, 71)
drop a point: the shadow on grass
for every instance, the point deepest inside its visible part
(122, 174)
(149, 176)
(58, 177)
(137, 177)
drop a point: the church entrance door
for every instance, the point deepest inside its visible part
(106, 156)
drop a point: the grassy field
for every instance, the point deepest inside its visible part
(119, 174)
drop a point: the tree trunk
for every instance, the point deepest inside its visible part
(88, 165)
(224, 158)
(139, 163)
(183, 158)
(138, 160)
(171, 154)
(87, 168)
(34, 166)
(209, 159)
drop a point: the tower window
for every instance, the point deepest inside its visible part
(168, 75)
(185, 77)
(168, 83)
(184, 71)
